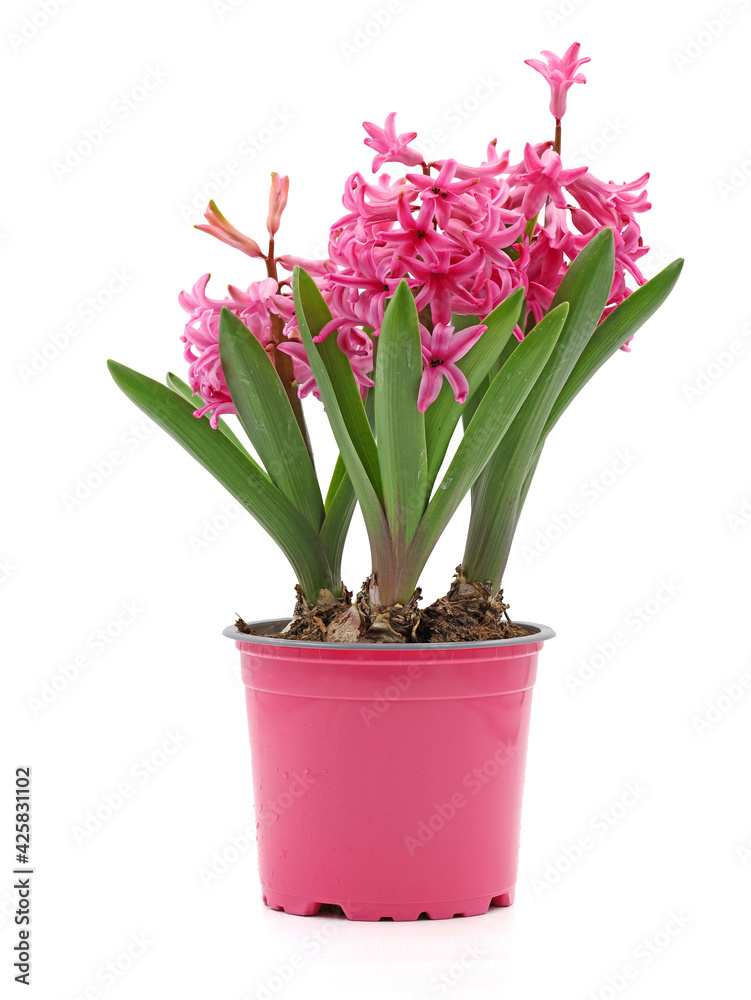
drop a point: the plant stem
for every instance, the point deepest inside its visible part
(283, 362)
(557, 149)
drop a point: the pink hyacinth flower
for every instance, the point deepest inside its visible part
(224, 231)
(358, 346)
(543, 178)
(256, 307)
(607, 201)
(491, 167)
(418, 235)
(443, 192)
(306, 382)
(389, 146)
(315, 268)
(440, 352)
(443, 284)
(277, 202)
(560, 72)
(201, 339)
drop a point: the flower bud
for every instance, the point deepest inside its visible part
(277, 202)
(219, 227)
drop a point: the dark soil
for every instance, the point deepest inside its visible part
(469, 612)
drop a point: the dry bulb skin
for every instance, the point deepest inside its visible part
(469, 612)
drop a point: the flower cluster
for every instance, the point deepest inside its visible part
(265, 307)
(463, 237)
(258, 306)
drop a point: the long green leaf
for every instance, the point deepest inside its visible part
(267, 417)
(474, 400)
(312, 314)
(340, 506)
(347, 392)
(400, 427)
(442, 416)
(243, 479)
(333, 534)
(495, 504)
(612, 334)
(184, 390)
(341, 502)
(492, 419)
(337, 476)
(607, 339)
(586, 287)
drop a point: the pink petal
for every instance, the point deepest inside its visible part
(463, 340)
(430, 386)
(457, 380)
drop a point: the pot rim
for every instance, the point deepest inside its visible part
(542, 634)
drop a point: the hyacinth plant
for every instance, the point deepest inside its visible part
(487, 295)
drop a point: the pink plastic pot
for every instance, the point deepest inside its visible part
(388, 780)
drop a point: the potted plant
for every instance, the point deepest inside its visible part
(388, 740)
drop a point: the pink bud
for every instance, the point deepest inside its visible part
(277, 202)
(219, 227)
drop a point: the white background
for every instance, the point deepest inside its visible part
(666, 93)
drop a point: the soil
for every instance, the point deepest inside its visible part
(469, 612)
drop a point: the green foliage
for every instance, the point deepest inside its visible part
(389, 453)
(239, 475)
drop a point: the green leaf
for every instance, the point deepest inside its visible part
(337, 476)
(312, 314)
(493, 417)
(471, 406)
(184, 390)
(586, 287)
(345, 386)
(607, 339)
(340, 506)
(496, 501)
(243, 479)
(339, 510)
(400, 427)
(340, 503)
(267, 417)
(442, 416)
(473, 401)
(612, 334)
